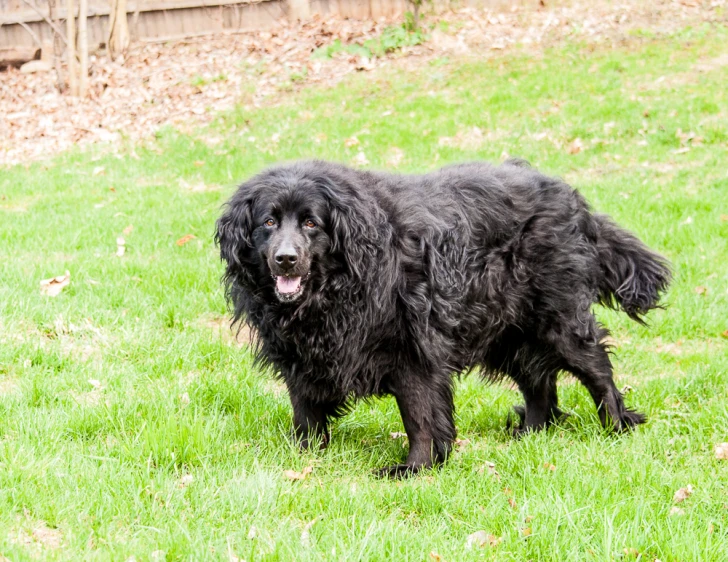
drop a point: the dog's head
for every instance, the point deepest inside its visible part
(289, 226)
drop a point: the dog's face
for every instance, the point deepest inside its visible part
(289, 236)
(296, 230)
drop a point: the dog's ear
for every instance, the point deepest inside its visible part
(359, 228)
(235, 227)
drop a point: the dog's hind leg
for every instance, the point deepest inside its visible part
(427, 409)
(541, 405)
(535, 370)
(587, 358)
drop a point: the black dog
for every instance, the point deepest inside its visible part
(362, 283)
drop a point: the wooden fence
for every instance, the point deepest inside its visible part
(23, 27)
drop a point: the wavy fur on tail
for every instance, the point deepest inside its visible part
(634, 276)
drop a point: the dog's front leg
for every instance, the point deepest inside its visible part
(426, 406)
(310, 422)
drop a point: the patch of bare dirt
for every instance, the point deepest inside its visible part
(83, 341)
(186, 83)
(37, 536)
(220, 326)
(8, 386)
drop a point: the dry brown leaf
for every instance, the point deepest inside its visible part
(293, 475)
(365, 64)
(632, 552)
(185, 481)
(683, 493)
(481, 539)
(700, 290)
(120, 247)
(361, 159)
(462, 443)
(724, 333)
(526, 532)
(53, 286)
(353, 141)
(395, 157)
(128, 230)
(724, 218)
(512, 503)
(198, 163)
(721, 451)
(435, 556)
(306, 533)
(549, 466)
(397, 435)
(490, 467)
(186, 238)
(576, 146)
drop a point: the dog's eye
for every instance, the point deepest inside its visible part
(309, 224)
(269, 222)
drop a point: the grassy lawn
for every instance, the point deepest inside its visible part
(132, 424)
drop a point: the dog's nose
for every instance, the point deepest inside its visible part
(286, 258)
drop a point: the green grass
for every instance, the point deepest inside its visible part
(392, 39)
(98, 471)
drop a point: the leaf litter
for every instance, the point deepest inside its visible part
(185, 83)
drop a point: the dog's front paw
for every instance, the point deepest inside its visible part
(517, 425)
(311, 442)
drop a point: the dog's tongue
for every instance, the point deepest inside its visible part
(288, 285)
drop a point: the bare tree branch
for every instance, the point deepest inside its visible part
(32, 33)
(54, 27)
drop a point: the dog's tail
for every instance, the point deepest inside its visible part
(633, 276)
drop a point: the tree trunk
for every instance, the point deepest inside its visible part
(83, 48)
(118, 39)
(71, 51)
(57, 49)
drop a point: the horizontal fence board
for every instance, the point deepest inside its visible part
(25, 14)
(167, 19)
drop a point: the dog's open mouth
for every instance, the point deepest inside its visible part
(288, 289)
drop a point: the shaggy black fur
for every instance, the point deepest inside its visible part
(362, 283)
